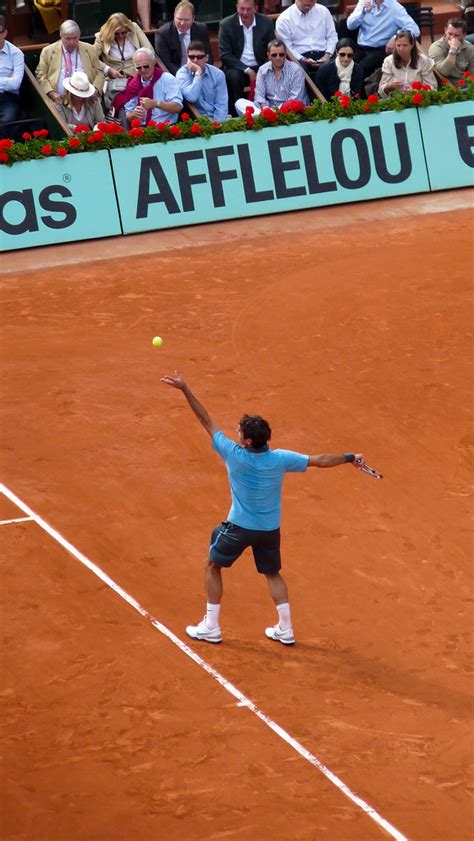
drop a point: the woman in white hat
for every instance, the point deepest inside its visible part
(78, 105)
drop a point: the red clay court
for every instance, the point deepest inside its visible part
(350, 329)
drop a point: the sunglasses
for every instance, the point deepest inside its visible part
(142, 66)
(347, 55)
(196, 57)
(277, 55)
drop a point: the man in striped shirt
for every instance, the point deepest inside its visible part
(278, 80)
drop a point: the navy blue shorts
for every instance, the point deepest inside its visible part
(228, 541)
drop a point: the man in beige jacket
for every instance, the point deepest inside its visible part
(60, 60)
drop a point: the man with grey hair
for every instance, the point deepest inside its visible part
(152, 94)
(60, 60)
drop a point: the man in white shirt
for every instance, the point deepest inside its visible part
(308, 31)
(243, 39)
(12, 68)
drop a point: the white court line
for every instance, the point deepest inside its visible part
(17, 520)
(242, 700)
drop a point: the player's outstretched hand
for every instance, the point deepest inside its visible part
(359, 460)
(177, 381)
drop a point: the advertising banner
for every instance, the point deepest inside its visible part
(448, 137)
(244, 174)
(57, 200)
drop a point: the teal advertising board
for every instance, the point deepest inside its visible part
(274, 170)
(57, 200)
(448, 136)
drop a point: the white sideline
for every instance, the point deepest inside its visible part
(16, 520)
(242, 700)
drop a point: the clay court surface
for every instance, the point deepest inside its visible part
(350, 329)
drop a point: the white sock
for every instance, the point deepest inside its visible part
(212, 615)
(284, 616)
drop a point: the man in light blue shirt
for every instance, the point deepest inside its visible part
(378, 21)
(202, 84)
(165, 103)
(12, 68)
(256, 476)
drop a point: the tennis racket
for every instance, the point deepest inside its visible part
(366, 469)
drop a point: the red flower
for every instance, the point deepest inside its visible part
(215, 124)
(196, 129)
(344, 101)
(467, 73)
(96, 137)
(444, 81)
(61, 152)
(136, 132)
(357, 96)
(152, 123)
(175, 131)
(5, 144)
(417, 98)
(338, 93)
(27, 136)
(4, 158)
(269, 115)
(425, 88)
(249, 120)
(471, 79)
(185, 117)
(74, 143)
(161, 126)
(249, 110)
(81, 129)
(46, 150)
(135, 123)
(42, 133)
(416, 86)
(366, 107)
(461, 82)
(292, 106)
(372, 98)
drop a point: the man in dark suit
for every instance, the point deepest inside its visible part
(172, 39)
(243, 42)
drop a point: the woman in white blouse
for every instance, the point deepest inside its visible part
(405, 66)
(117, 42)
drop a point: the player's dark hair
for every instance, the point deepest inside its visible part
(257, 429)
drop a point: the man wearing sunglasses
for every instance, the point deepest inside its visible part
(202, 84)
(278, 80)
(152, 93)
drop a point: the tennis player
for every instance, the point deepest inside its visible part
(255, 476)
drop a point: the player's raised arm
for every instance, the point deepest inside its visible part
(334, 459)
(202, 415)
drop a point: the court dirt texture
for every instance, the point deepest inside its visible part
(350, 330)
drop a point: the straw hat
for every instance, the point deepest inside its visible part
(79, 85)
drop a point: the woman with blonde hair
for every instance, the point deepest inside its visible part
(405, 66)
(117, 42)
(79, 105)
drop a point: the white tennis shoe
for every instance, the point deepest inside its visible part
(203, 633)
(286, 637)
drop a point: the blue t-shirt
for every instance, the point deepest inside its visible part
(256, 478)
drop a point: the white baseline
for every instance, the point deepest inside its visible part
(242, 700)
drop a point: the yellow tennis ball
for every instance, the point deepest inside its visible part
(157, 341)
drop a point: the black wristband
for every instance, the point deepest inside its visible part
(349, 457)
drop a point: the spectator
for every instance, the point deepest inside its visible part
(202, 84)
(152, 94)
(308, 30)
(453, 55)
(405, 66)
(79, 106)
(12, 68)
(342, 74)
(172, 40)
(278, 80)
(243, 38)
(60, 60)
(377, 22)
(117, 42)
(144, 13)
